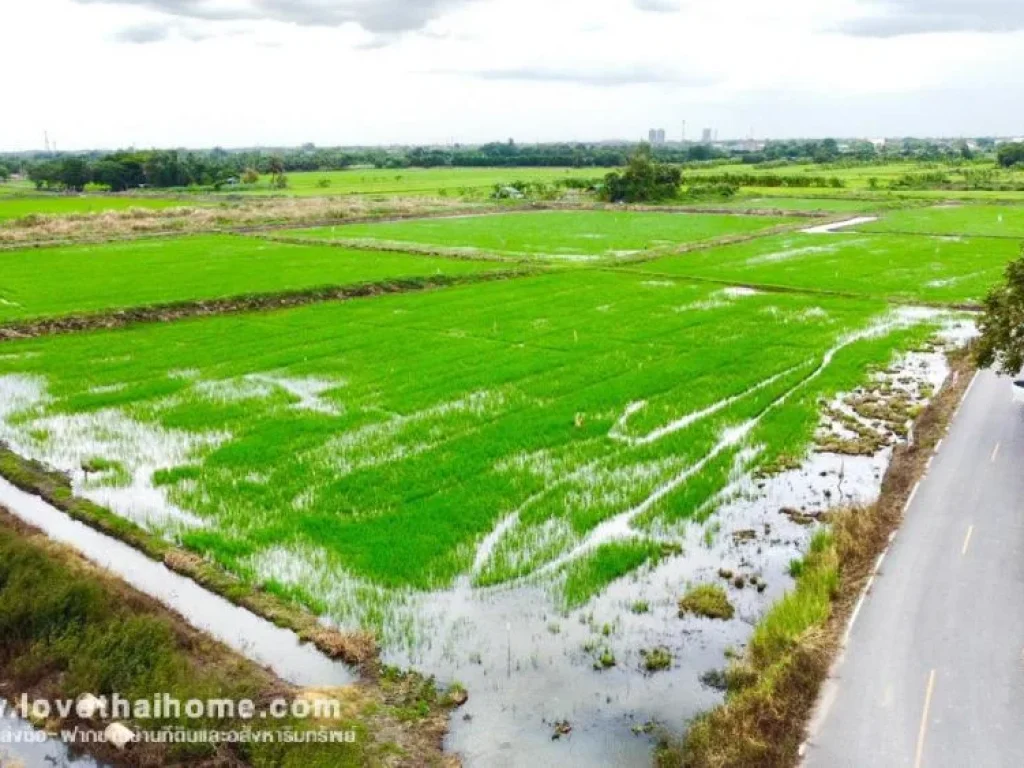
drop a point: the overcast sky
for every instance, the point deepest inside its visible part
(198, 73)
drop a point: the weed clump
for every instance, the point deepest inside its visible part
(606, 660)
(656, 659)
(707, 600)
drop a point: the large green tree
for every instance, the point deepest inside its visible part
(644, 180)
(1010, 154)
(1002, 323)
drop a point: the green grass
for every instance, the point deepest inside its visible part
(61, 205)
(806, 606)
(20, 187)
(894, 197)
(826, 204)
(966, 220)
(590, 574)
(907, 267)
(376, 443)
(68, 631)
(569, 235)
(47, 282)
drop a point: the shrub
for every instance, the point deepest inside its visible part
(707, 600)
(644, 180)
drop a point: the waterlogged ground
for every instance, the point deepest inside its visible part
(495, 478)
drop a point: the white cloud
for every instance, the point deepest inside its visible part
(658, 6)
(270, 72)
(895, 18)
(380, 16)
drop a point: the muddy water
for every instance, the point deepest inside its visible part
(30, 748)
(258, 639)
(528, 667)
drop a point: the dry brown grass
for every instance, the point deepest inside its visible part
(293, 211)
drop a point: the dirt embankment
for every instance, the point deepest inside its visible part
(159, 313)
(773, 687)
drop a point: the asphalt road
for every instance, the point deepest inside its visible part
(933, 672)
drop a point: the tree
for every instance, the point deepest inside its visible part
(1010, 154)
(644, 180)
(1002, 323)
(75, 174)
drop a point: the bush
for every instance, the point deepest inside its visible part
(644, 180)
(719, 191)
(1011, 154)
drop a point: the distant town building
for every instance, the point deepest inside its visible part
(656, 136)
(879, 143)
(705, 136)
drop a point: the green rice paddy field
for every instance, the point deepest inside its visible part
(570, 235)
(63, 280)
(381, 441)
(904, 267)
(416, 181)
(16, 207)
(560, 426)
(828, 205)
(969, 220)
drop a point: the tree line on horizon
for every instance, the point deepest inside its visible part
(133, 169)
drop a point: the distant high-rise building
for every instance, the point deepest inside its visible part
(656, 136)
(705, 136)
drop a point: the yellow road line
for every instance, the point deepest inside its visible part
(967, 540)
(924, 720)
(995, 452)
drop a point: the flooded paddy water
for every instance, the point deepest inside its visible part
(535, 672)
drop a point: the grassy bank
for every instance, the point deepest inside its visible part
(108, 319)
(773, 686)
(353, 647)
(68, 628)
